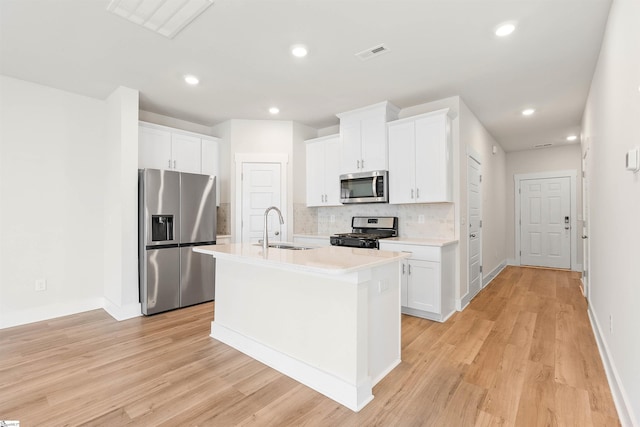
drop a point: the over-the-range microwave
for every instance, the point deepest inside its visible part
(365, 187)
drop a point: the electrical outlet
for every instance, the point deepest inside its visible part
(41, 285)
(420, 219)
(383, 286)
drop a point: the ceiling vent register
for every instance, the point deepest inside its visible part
(165, 17)
(372, 52)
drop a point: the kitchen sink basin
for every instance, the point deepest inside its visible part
(285, 246)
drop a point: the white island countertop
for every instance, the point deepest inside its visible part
(333, 260)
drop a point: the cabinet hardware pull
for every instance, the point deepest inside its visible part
(472, 235)
(357, 164)
(362, 163)
(169, 163)
(417, 193)
(409, 268)
(174, 164)
(412, 193)
(402, 268)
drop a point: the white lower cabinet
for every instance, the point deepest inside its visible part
(427, 285)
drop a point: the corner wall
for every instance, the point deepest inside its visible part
(52, 171)
(474, 136)
(609, 129)
(564, 157)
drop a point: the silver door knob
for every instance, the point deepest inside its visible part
(277, 233)
(585, 237)
(473, 235)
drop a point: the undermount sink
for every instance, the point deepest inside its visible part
(285, 246)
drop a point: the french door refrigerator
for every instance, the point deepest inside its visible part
(176, 212)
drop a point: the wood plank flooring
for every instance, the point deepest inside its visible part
(521, 354)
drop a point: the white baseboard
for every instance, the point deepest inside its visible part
(353, 396)
(122, 312)
(620, 398)
(19, 317)
(461, 304)
(492, 275)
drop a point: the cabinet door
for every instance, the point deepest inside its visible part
(154, 148)
(210, 162)
(402, 163)
(315, 173)
(332, 157)
(374, 144)
(423, 286)
(185, 153)
(432, 159)
(351, 146)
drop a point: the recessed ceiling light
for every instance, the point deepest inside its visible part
(299, 51)
(274, 110)
(505, 29)
(192, 80)
(528, 112)
(572, 138)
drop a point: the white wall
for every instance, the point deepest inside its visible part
(52, 176)
(610, 128)
(120, 195)
(564, 157)
(493, 169)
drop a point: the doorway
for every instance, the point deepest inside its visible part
(474, 213)
(261, 182)
(546, 219)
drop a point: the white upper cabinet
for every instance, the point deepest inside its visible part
(186, 153)
(323, 171)
(154, 148)
(162, 147)
(420, 159)
(364, 137)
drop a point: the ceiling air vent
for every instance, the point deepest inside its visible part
(165, 17)
(548, 144)
(372, 52)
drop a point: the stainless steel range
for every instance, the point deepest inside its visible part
(367, 230)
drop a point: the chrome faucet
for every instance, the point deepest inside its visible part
(265, 232)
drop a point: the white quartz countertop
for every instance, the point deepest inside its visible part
(419, 241)
(332, 260)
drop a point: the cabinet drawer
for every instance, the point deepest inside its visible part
(425, 253)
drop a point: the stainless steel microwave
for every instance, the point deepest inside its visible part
(365, 187)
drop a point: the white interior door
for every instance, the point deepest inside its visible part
(261, 188)
(474, 205)
(585, 226)
(545, 222)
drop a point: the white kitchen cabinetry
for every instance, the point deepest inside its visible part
(363, 137)
(162, 147)
(420, 159)
(323, 171)
(428, 275)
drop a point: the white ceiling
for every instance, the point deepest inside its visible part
(240, 51)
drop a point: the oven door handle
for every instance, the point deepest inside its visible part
(374, 186)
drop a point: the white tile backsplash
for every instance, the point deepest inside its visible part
(438, 219)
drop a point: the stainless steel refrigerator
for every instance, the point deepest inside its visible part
(176, 212)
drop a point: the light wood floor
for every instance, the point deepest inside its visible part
(522, 353)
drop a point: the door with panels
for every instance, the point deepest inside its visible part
(545, 222)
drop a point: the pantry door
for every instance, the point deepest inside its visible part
(545, 222)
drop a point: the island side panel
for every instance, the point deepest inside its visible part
(319, 320)
(384, 320)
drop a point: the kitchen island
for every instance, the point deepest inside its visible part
(327, 317)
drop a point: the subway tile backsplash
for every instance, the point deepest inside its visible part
(438, 219)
